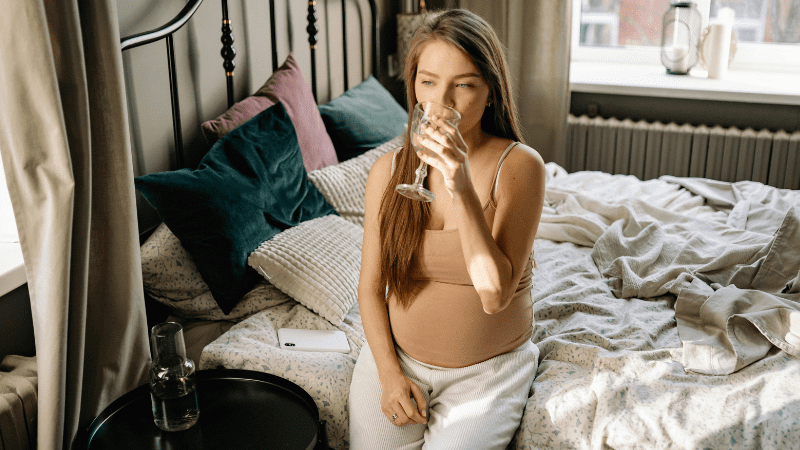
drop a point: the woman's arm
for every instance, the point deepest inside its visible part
(495, 260)
(397, 388)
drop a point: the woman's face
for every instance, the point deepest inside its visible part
(447, 75)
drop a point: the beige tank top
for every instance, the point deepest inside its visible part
(445, 324)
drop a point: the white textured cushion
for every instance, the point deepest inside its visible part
(317, 263)
(171, 277)
(343, 185)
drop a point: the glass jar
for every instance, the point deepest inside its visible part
(172, 381)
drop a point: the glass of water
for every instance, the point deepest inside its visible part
(173, 387)
(423, 113)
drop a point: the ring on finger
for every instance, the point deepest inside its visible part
(394, 416)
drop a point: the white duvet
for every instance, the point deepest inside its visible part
(612, 372)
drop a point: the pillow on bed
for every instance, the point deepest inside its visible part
(362, 118)
(288, 86)
(249, 187)
(344, 184)
(171, 277)
(317, 263)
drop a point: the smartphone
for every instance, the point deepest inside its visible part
(313, 340)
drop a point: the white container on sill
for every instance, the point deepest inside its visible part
(715, 45)
(715, 49)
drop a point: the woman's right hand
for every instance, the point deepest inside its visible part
(398, 391)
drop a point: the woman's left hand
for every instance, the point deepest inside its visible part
(447, 152)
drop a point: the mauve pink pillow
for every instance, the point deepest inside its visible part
(288, 86)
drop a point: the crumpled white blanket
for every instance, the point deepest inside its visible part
(650, 239)
(751, 205)
(725, 330)
(610, 374)
(645, 258)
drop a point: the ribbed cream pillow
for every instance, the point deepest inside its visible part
(343, 185)
(317, 263)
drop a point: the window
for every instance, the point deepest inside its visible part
(629, 31)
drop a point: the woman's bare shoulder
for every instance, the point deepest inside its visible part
(522, 170)
(529, 158)
(383, 165)
(381, 171)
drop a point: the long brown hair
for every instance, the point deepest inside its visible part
(403, 220)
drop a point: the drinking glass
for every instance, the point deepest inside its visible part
(422, 115)
(173, 390)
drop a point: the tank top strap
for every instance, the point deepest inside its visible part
(492, 195)
(394, 158)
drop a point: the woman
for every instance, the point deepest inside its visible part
(444, 289)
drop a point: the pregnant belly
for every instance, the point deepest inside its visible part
(447, 327)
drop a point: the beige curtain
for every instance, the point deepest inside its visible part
(67, 160)
(537, 37)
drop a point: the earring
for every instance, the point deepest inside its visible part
(489, 104)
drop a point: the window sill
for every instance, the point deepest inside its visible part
(12, 267)
(653, 81)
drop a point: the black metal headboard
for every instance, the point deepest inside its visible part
(228, 52)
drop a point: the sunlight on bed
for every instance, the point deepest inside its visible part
(793, 336)
(465, 411)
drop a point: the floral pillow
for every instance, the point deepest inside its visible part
(171, 277)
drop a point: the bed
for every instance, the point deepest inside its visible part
(666, 310)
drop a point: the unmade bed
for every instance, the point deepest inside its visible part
(666, 311)
(614, 371)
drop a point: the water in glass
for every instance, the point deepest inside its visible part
(173, 388)
(423, 112)
(174, 402)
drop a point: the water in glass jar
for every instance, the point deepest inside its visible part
(175, 405)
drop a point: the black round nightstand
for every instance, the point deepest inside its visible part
(239, 409)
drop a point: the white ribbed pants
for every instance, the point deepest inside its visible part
(474, 407)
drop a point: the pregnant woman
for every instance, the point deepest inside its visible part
(445, 286)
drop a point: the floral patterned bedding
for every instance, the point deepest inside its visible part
(253, 345)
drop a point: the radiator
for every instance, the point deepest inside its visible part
(649, 150)
(18, 403)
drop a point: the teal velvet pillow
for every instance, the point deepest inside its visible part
(250, 186)
(362, 118)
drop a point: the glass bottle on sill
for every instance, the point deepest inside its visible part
(172, 379)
